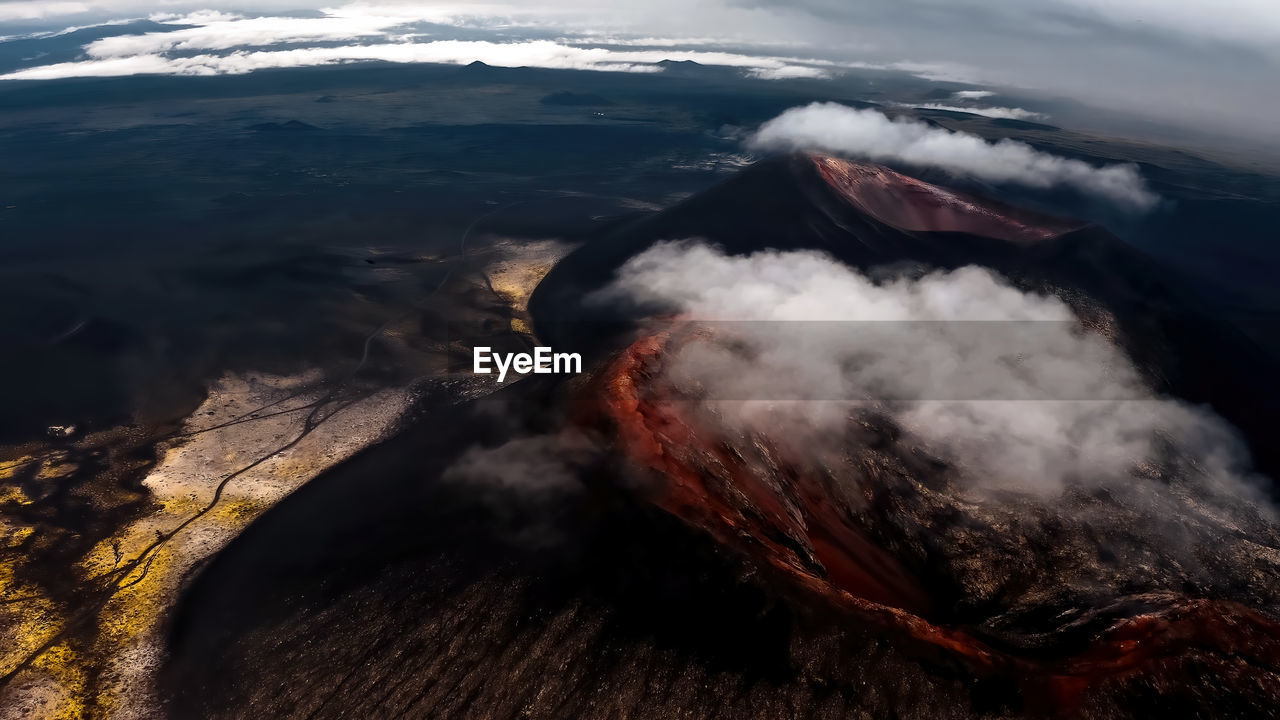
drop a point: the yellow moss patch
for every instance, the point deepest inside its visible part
(236, 513)
(55, 468)
(13, 495)
(16, 535)
(65, 666)
(182, 504)
(515, 282)
(122, 654)
(10, 468)
(26, 625)
(137, 607)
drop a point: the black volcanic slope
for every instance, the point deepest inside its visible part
(390, 588)
(381, 590)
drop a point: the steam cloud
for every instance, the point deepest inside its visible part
(1064, 409)
(528, 484)
(832, 127)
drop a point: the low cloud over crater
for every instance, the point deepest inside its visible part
(1064, 409)
(831, 127)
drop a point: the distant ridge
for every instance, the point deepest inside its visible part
(292, 126)
(684, 67)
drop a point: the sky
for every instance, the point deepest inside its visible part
(1204, 64)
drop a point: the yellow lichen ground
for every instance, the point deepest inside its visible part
(106, 667)
(65, 669)
(29, 619)
(522, 267)
(143, 566)
(10, 468)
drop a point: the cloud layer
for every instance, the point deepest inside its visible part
(837, 128)
(216, 43)
(538, 53)
(1022, 503)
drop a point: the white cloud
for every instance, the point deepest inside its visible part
(398, 24)
(685, 41)
(973, 94)
(789, 72)
(223, 32)
(1163, 486)
(532, 54)
(66, 30)
(866, 133)
(199, 17)
(939, 71)
(25, 10)
(528, 484)
(1004, 384)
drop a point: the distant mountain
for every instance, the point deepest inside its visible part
(289, 126)
(689, 68)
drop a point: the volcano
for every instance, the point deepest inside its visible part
(901, 551)
(687, 567)
(870, 217)
(901, 555)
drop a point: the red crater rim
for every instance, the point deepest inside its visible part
(789, 524)
(913, 205)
